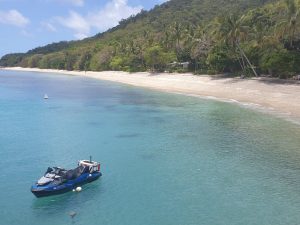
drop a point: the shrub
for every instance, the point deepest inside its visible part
(281, 63)
(33, 61)
(221, 59)
(117, 63)
(157, 59)
(101, 60)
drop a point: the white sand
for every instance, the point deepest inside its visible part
(265, 93)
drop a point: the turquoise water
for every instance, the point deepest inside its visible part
(166, 159)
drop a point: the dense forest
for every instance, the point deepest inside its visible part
(245, 37)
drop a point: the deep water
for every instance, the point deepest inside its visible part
(166, 159)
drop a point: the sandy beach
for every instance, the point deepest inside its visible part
(273, 95)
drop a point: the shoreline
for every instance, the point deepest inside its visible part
(265, 94)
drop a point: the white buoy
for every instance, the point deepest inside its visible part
(46, 96)
(78, 189)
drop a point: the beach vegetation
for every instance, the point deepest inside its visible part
(250, 38)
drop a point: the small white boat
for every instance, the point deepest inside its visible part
(46, 96)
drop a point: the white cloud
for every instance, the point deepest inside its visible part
(49, 26)
(77, 23)
(13, 17)
(72, 2)
(111, 14)
(76, 2)
(102, 19)
(26, 34)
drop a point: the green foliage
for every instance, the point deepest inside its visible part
(11, 59)
(157, 59)
(221, 60)
(84, 61)
(100, 61)
(56, 61)
(118, 63)
(33, 61)
(55, 47)
(281, 63)
(135, 63)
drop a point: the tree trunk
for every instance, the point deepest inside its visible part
(292, 37)
(248, 61)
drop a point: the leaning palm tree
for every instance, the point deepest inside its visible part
(232, 30)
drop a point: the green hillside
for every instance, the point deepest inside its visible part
(213, 36)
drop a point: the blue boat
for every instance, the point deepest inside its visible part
(57, 180)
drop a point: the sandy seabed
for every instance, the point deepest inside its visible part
(270, 95)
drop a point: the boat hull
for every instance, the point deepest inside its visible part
(43, 191)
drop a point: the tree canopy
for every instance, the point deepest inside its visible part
(241, 37)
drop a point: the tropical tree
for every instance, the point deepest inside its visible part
(177, 33)
(157, 59)
(232, 30)
(292, 19)
(287, 22)
(167, 41)
(201, 45)
(177, 29)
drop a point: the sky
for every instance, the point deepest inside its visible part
(26, 24)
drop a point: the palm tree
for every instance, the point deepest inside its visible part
(148, 37)
(287, 26)
(177, 32)
(116, 46)
(167, 39)
(200, 45)
(260, 25)
(293, 13)
(189, 36)
(232, 30)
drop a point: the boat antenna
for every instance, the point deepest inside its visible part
(90, 159)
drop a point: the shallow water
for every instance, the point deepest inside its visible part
(166, 159)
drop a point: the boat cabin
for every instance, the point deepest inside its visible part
(93, 166)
